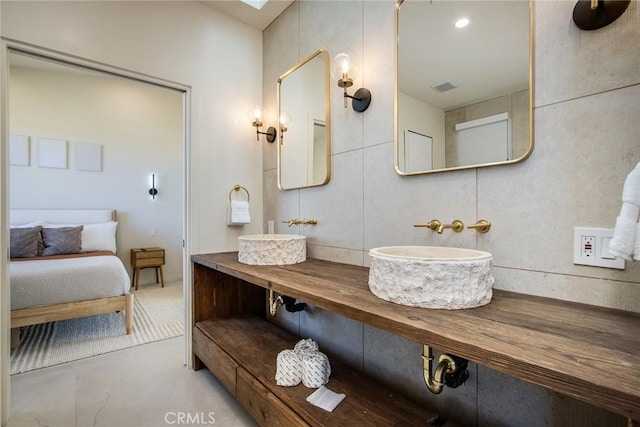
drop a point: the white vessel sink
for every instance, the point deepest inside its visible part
(431, 276)
(272, 249)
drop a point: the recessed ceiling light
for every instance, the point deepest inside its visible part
(462, 22)
(256, 4)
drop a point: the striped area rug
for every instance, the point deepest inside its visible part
(158, 315)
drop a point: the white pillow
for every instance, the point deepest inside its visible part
(95, 237)
(29, 225)
(99, 237)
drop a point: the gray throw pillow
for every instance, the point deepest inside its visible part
(24, 242)
(61, 241)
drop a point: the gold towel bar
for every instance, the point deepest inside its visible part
(239, 187)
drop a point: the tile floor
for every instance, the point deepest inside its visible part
(146, 385)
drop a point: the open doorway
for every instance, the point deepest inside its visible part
(88, 138)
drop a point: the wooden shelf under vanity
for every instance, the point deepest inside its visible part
(241, 352)
(587, 352)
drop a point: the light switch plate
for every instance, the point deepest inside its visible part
(591, 247)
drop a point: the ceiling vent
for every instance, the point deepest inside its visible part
(444, 87)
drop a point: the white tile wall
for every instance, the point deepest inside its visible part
(587, 138)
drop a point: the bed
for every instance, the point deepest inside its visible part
(63, 265)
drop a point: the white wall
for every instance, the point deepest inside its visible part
(422, 118)
(186, 42)
(4, 249)
(140, 129)
(587, 88)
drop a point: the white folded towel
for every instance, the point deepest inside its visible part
(631, 188)
(636, 249)
(288, 368)
(316, 369)
(624, 243)
(238, 213)
(325, 399)
(624, 238)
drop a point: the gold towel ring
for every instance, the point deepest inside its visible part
(238, 187)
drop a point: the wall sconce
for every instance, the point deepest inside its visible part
(255, 115)
(595, 14)
(153, 191)
(341, 67)
(285, 120)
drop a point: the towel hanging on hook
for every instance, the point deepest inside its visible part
(238, 210)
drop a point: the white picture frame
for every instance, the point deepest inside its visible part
(19, 150)
(52, 153)
(87, 156)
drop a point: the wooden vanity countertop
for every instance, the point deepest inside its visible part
(588, 352)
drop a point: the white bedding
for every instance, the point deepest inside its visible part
(56, 281)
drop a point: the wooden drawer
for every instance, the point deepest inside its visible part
(216, 360)
(263, 406)
(148, 262)
(147, 257)
(149, 253)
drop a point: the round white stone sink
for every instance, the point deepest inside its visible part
(431, 276)
(272, 249)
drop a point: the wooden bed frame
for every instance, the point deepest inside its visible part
(72, 310)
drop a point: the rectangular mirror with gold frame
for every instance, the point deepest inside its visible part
(304, 140)
(464, 84)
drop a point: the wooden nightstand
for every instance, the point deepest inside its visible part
(146, 258)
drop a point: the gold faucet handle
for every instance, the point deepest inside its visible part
(291, 222)
(311, 222)
(433, 224)
(481, 226)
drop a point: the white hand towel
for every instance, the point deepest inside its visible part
(238, 213)
(624, 235)
(624, 238)
(325, 399)
(288, 368)
(636, 249)
(631, 188)
(316, 369)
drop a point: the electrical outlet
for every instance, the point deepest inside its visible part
(591, 247)
(586, 246)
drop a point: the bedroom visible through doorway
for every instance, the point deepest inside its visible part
(84, 138)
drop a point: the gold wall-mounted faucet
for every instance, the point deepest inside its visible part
(481, 226)
(305, 222)
(456, 226)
